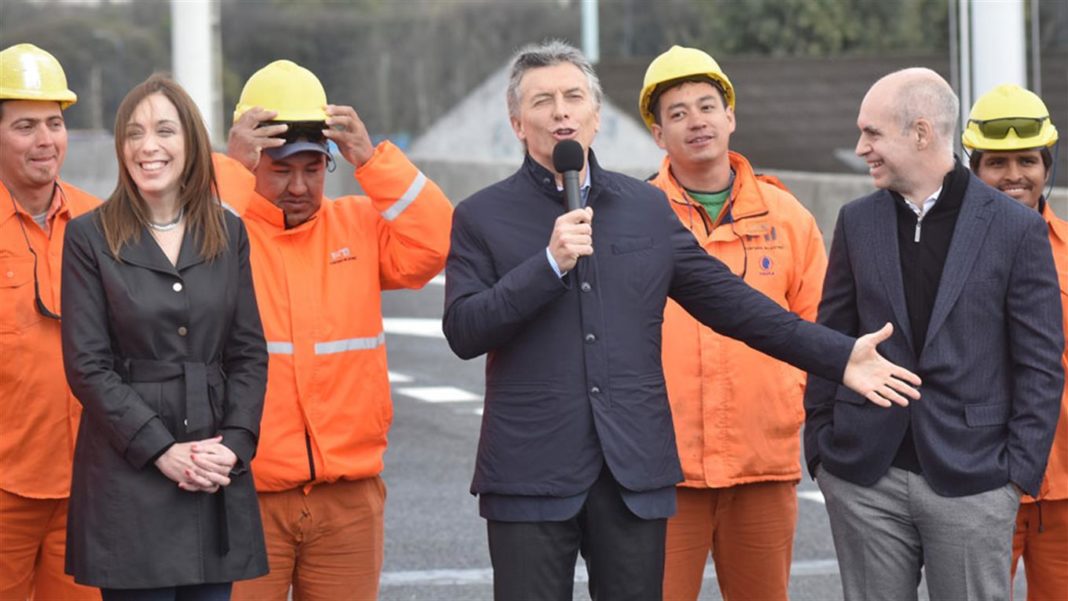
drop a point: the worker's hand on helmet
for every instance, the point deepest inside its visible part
(345, 128)
(248, 140)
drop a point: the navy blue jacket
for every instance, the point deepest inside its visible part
(990, 362)
(573, 374)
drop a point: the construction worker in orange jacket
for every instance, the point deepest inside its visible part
(1009, 135)
(737, 412)
(38, 414)
(319, 267)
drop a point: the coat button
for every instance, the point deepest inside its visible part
(590, 339)
(182, 331)
(585, 287)
(177, 286)
(595, 390)
(10, 274)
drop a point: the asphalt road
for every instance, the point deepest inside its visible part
(435, 540)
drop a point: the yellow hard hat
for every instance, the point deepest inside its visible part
(677, 63)
(1009, 118)
(29, 73)
(285, 87)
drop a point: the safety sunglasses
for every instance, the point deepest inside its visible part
(300, 131)
(997, 129)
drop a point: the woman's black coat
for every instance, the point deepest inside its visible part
(159, 354)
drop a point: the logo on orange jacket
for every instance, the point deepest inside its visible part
(341, 254)
(767, 266)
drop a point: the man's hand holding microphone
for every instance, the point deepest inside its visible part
(572, 235)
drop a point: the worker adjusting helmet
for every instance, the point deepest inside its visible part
(1009, 118)
(677, 63)
(285, 87)
(30, 73)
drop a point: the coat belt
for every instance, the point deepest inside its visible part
(198, 376)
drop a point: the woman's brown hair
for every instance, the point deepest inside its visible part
(124, 214)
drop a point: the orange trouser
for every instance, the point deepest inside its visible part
(33, 540)
(1045, 553)
(328, 544)
(748, 529)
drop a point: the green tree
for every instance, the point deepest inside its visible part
(823, 27)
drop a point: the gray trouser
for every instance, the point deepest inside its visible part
(884, 534)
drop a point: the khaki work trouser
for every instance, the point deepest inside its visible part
(328, 544)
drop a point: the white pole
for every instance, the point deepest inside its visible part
(591, 45)
(999, 44)
(954, 45)
(193, 52)
(964, 26)
(1036, 56)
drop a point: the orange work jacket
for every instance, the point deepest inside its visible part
(318, 286)
(1055, 484)
(38, 414)
(738, 412)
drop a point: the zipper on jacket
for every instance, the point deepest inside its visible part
(311, 458)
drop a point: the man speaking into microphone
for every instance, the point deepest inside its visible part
(577, 450)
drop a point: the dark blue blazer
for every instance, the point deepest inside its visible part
(573, 374)
(990, 364)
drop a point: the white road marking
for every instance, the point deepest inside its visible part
(438, 280)
(439, 394)
(400, 378)
(413, 326)
(809, 567)
(814, 567)
(812, 495)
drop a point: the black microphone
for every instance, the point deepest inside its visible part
(568, 159)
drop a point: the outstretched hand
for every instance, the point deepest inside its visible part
(876, 379)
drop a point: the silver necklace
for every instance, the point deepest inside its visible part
(170, 225)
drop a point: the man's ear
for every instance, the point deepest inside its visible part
(923, 133)
(658, 135)
(517, 127)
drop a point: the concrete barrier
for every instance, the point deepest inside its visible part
(822, 193)
(91, 165)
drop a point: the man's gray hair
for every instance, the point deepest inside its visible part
(932, 98)
(548, 54)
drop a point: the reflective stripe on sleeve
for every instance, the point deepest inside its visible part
(350, 344)
(280, 348)
(409, 196)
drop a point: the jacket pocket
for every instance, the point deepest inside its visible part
(629, 245)
(16, 295)
(987, 414)
(848, 395)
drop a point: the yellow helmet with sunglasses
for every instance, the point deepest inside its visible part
(285, 87)
(1009, 118)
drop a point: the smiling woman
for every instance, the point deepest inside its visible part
(166, 173)
(154, 153)
(163, 346)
